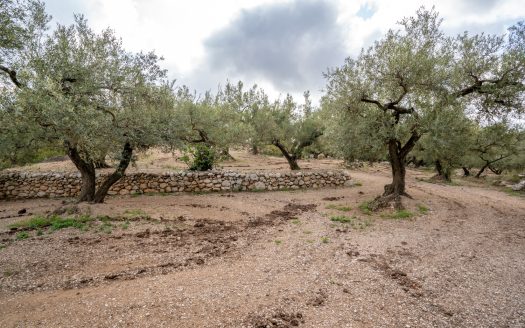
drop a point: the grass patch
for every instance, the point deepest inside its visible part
(511, 192)
(358, 184)
(365, 208)
(325, 240)
(54, 222)
(341, 208)
(106, 227)
(342, 219)
(354, 221)
(295, 221)
(22, 235)
(125, 225)
(278, 242)
(135, 213)
(422, 209)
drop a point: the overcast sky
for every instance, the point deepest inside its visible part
(283, 46)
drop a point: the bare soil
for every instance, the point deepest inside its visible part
(272, 259)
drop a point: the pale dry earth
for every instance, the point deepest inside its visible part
(273, 259)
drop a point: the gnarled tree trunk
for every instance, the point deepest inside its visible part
(116, 175)
(442, 173)
(87, 173)
(291, 158)
(396, 189)
(466, 171)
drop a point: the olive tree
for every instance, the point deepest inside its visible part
(281, 124)
(85, 90)
(399, 85)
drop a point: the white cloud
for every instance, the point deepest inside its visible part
(177, 30)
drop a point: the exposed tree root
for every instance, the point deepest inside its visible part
(390, 198)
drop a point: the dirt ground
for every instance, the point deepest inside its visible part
(272, 259)
(156, 161)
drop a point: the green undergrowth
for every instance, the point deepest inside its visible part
(50, 224)
(422, 209)
(54, 222)
(341, 208)
(365, 208)
(354, 221)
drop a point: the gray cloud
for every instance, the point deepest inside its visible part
(289, 44)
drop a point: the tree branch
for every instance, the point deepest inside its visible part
(12, 76)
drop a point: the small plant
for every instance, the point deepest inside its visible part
(54, 221)
(278, 242)
(341, 208)
(358, 184)
(422, 209)
(307, 232)
(296, 221)
(39, 232)
(134, 214)
(342, 219)
(22, 235)
(365, 208)
(125, 225)
(325, 240)
(203, 158)
(2, 246)
(106, 227)
(361, 224)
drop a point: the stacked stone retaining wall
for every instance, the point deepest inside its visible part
(22, 185)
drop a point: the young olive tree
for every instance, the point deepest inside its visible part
(494, 147)
(398, 86)
(279, 124)
(85, 90)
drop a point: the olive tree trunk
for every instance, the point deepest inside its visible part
(102, 191)
(87, 174)
(290, 157)
(396, 189)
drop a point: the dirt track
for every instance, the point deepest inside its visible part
(275, 259)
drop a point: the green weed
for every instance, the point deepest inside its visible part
(342, 218)
(365, 208)
(422, 209)
(22, 235)
(341, 208)
(325, 240)
(278, 242)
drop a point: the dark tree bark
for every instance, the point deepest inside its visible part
(466, 171)
(483, 168)
(290, 157)
(396, 189)
(442, 173)
(87, 174)
(254, 149)
(102, 191)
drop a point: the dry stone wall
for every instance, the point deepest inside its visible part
(19, 185)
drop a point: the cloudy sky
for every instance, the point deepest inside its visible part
(283, 46)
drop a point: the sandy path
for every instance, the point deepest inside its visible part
(460, 265)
